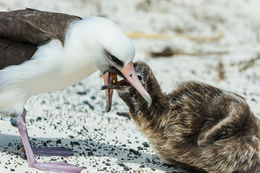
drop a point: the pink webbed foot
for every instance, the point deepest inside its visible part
(53, 166)
(61, 167)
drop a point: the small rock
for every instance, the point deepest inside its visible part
(82, 93)
(87, 103)
(70, 136)
(38, 119)
(140, 148)
(145, 144)
(134, 152)
(13, 122)
(58, 141)
(126, 168)
(166, 52)
(90, 153)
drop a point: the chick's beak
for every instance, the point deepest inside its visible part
(109, 78)
(129, 72)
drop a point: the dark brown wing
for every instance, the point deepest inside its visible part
(21, 31)
(14, 53)
(34, 26)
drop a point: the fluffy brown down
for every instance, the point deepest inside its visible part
(196, 124)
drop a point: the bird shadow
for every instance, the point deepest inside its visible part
(11, 144)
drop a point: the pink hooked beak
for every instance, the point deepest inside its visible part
(109, 78)
(129, 72)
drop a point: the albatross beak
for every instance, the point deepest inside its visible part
(109, 78)
(129, 72)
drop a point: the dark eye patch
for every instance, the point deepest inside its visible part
(114, 59)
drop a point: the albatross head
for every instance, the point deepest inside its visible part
(114, 55)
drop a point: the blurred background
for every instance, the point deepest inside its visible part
(212, 41)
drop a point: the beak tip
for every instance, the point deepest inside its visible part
(149, 100)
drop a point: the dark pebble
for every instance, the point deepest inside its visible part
(90, 153)
(121, 164)
(134, 151)
(58, 141)
(87, 103)
(70, 136)
(74, 143)
(124, 114)
(145, 144)
(126, 168)
(140, 148)
(82, 93)
(13, 122)
(38, 118)
(166, 52)
(148, 160)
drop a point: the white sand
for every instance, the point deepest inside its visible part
(107, 141)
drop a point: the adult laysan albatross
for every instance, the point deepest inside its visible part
(44, 51)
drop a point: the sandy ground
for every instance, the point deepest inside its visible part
(215, 41)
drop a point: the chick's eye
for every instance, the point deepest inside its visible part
(139, 77)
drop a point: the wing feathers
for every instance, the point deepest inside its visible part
(14, 53)
(22, 31)
(33, 26)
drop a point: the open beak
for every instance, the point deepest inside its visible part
(129, 72)
(109, 78)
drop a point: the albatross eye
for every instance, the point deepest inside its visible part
(114, 59)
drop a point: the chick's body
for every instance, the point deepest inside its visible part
(197, 124)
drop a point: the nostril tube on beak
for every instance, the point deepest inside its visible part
(130, 74)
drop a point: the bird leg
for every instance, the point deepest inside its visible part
(14, 119)
(24, 114)
(53, 151)
(52, 166)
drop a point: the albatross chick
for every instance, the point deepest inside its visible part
(196, 124)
